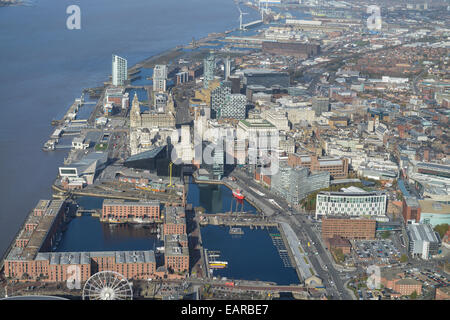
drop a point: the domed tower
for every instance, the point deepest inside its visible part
(135, 112)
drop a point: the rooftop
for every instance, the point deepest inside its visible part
(431, 206)
(422, 232)
(147, 203)
(84, 257)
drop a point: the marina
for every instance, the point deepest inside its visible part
(251, 256)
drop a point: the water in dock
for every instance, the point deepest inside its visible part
(251, 256)
(216, 199)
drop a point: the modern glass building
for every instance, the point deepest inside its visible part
(294, 184)
(119, 70)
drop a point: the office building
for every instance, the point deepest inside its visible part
(294, 184)
(353, 202)
(348, 228)
(411, 209)
(235, 84)
(338, 168)
(119, 70)
(320, 105)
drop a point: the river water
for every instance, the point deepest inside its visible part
(44, 66)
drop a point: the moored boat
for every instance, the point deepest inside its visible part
(237, 194)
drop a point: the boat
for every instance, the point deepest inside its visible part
(218, 264)
(237, 194)
(114, 221)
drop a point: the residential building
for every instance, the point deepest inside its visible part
(119, 70)
(160, 78)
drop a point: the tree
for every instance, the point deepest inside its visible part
(413, 295)
(403, 258)
(386, 234)
(441, 229)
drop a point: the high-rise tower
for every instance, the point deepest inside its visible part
(119, 70)
(209, 64)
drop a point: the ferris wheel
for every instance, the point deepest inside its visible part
(107, 285)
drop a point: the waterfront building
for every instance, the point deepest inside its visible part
(30, 257)
(117, 97)
(176, 240)
(338, 168)
(174, 221)
(60, 266)
(294, 184)
(176, 258)
(209, 65)
(152, 118)
(160, 72)
(84, 169)
(320, 105)
(119, 70)
(117, 209)
(423, 240)
(352, 202)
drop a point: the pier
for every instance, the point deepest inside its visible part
(236, 220)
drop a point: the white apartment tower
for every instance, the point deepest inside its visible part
(160, 78)
(119, 70)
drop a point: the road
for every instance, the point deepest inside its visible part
(331, 278)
